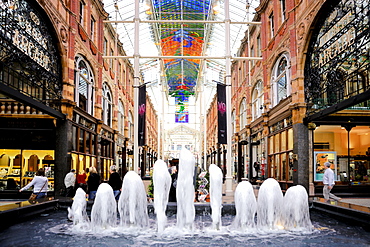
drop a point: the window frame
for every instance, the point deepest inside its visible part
(277, 77)
(257, 100)
(90, 84)
(107, 105)
(121, 117)
(243, 113)
(82, 12)
(272, 24)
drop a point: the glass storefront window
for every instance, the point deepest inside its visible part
(277, 167)
(18, 167)
(81, 141)
(283, 140)
(290, 139)
(280, 152)
(277, 143)
(283, 166)
(351, 149)
(320, 159)
(271, 146)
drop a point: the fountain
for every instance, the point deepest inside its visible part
(245, 206)
(132, 204)
(104, 210)
(296, 215)
(162, 185)
(256, 221)
(216, 195)
(185, 192)
(77, 213)
(269, 205)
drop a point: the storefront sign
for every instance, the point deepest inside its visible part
(338, 55)
(22, 25)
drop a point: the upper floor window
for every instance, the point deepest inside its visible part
(259, 46)
(84, 81)
(252, 55)
(243, 113)
(280, 80)
(121, 117)
(92, 28)
(111, 60)
(283, 10)
(107, 105)
(82, 13)
(105, 47)
(271, 21)
(257, 100)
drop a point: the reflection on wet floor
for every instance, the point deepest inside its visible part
(8, 204)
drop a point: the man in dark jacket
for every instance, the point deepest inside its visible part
(115, 181)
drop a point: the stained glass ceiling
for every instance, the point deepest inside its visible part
(194, 38)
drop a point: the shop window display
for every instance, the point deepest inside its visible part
(16, 170)
(320, 159)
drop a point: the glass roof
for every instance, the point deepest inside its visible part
(203, 35)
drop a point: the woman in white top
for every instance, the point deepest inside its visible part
(39, 183)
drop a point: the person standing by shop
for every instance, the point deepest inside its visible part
(81, 179)
(39, 183)
(93, 182)
(328, 182)
(69, 182)
(115, 181)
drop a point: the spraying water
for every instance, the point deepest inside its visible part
(296, 215)
(185, 190)
(78, 211)
(162, 185)
(245, 206)
(216, 195)
(270, 203)
(132, 204)
(104, 210)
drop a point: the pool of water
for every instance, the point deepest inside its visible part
(54, 229)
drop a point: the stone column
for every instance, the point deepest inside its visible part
(301, 152)
(62, 156)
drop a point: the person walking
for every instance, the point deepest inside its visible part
(328, 182)
(69, 182)
(93, 182)
(39, 183)
(115, 181)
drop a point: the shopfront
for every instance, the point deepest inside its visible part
(348, 153)
(337, 86)
(280, 149)
(30, 94)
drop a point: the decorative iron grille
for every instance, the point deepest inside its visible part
(338, 63)
(29, 61)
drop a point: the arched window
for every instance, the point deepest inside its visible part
(121, 118)
(280, 80)
(131, 126)
(243, 113)
(107, 105)
(84, 81)
(33, 163)
(257, 100)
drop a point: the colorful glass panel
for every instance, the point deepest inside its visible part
(181, 39)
